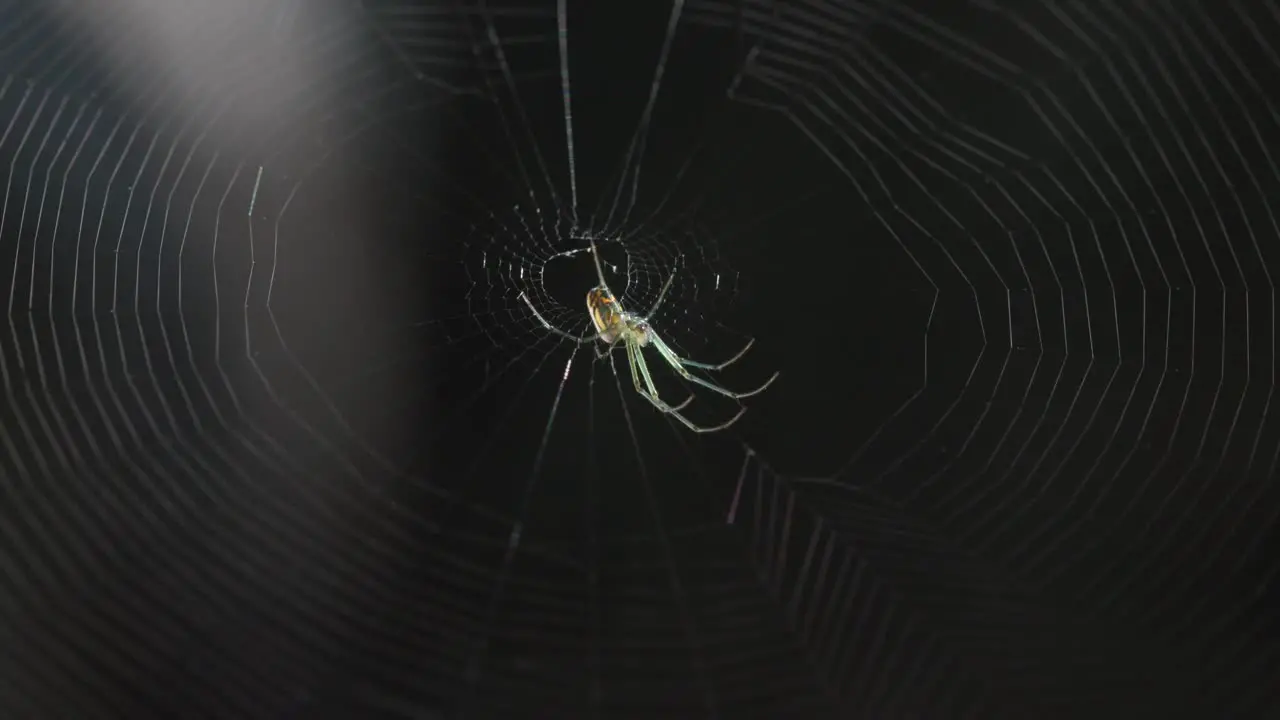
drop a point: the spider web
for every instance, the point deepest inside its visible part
(280, 433)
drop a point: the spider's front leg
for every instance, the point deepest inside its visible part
(678, 364)
(640, 373)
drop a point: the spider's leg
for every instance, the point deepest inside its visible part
(554, 329)
(675, 411)
(675, 362)
(710, 428)
(639, 371)
(727, 392)
(662, 294)
(595, 258)
(716, 366)
(707, 428)
(601, 354)
(638, 361)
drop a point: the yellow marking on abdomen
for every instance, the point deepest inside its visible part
(605, 318)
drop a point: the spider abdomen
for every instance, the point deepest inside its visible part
(605, 314)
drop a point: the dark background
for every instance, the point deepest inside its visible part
(1013, 263)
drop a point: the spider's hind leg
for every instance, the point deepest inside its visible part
(548, 326)
(608, 348)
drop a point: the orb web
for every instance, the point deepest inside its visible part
(1115, 409)
(283, 431)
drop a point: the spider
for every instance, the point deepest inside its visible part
(613, 324)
